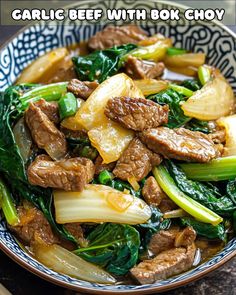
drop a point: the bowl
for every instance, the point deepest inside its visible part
(216, 40)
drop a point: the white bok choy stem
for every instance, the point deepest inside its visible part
(100, 203)
(63, 261)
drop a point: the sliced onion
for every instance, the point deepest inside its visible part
(63, 261)
(214, 100)
(151, 86)
(45, 65)
(23, 139)
(229, 123)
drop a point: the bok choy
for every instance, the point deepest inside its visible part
(64, 261)
(99, 203)
(189, 205)
(113, 246)
(218, 169)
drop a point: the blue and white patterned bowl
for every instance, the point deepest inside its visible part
(212, 38)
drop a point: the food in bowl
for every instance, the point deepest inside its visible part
(118, 158)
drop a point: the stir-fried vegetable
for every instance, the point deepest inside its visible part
(182, 90)
(49, 92)
(189, 205)
(11, 162)
(104, 177)
(112, 246)
(206, 230)
(185, 60)
(175, 51)
(214, 100)
(7, 205)
(201, 192)
(218, 169)
(62, 260)
(67, 105)
(173, 99)
(154, 52)
(100, 203)
(229, 123)
(23, 139)
(43, 66)
(204, 74)
(101, 64)
(191, 84)
(151, 86)
(197, 125)
(231, 190)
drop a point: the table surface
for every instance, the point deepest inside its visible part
(20, 282)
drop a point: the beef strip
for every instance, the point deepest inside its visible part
(218, 136)
(167, 204)
(173, 237)
(152, 193)
(137, 114)
(136, 161)
(33, 227)
(76, 231)
(143, 69)
(50, 109)
(70, 174)
(166, 264)
(154, 196)
(180, 144)
(99, 166)
(185, 237)
(114, 36)
(82, 89)
(44, 132)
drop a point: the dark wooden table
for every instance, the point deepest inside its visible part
(20, 282)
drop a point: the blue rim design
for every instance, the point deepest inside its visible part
(215, 40)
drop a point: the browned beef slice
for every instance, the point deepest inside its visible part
(44, 132)
(185, 237)
(173, 237)
(218, 136)
(154, 195)
(163, 240)
(74, 134)
(152, 192)
(76, 231)
(33, 227)
(113, 36)
(99, 166)
(166, 264)
(136, 113)
(136, 161)
(50, 109)
(180, 144)
(82, 89)
(143, 69)
(70, 175)
(167, 204)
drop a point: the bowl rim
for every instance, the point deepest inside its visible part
(93, 290)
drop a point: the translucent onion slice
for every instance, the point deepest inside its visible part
(43, 66)
(151, 86)
(100, 203)
(229, 123)
(63, 261)
(23, 139)
(214, 100)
